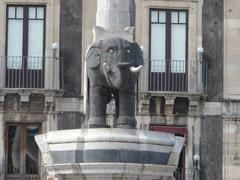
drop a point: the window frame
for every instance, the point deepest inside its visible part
(25, 26)
(23, 134)
(23, 76)
(168, 61)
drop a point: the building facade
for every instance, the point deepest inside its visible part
(188, 85)
(33, 76)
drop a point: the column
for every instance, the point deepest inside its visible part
(113, 15)
(113, 19)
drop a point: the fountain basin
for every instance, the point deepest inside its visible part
(110, 153)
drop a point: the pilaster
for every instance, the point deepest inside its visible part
(49, 109)
(194, 106)
(194, 135)
(2, 145)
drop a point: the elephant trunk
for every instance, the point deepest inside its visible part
(119, 77)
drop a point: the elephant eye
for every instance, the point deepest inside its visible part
(129, 51)
(111, 51)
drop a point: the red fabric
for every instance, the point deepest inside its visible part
(182, 131)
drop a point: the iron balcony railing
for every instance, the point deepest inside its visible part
(204, 72)
(175, 75)
(31, 72)
(30, 173)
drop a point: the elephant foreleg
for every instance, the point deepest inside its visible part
(98, 101)
(126, 118)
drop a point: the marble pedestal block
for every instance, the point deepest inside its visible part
(110, 154)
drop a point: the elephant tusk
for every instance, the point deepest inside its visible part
(135, 69)
(106, 68)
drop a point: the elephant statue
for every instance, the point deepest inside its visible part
(112, 66)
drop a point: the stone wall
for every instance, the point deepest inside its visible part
(212, 126)
(70, 120)
(211, 148)
(35, 104)
(231, 49)
(71, 45)
(16, 110)
(213, 47)
(231, 146)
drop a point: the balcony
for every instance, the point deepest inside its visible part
(177, 76)
(171, 88)
(31, 73)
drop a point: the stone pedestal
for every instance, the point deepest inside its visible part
(110, 154)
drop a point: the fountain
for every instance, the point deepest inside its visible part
(123, 152)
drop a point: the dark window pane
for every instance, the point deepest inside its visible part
(31, 150)
(14, 149)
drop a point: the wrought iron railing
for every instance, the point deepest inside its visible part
(30, 173)
(32, 72)
(175, 75)
(205, 76)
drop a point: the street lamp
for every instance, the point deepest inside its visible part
(54, 49)
(196, 159)
(200, 51)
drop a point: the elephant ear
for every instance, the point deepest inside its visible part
(93, 58)
(138, 55)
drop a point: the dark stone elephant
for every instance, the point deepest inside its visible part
(112, 66)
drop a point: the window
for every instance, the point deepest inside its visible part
(25, 45)
(22, 151)
(168, 50)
